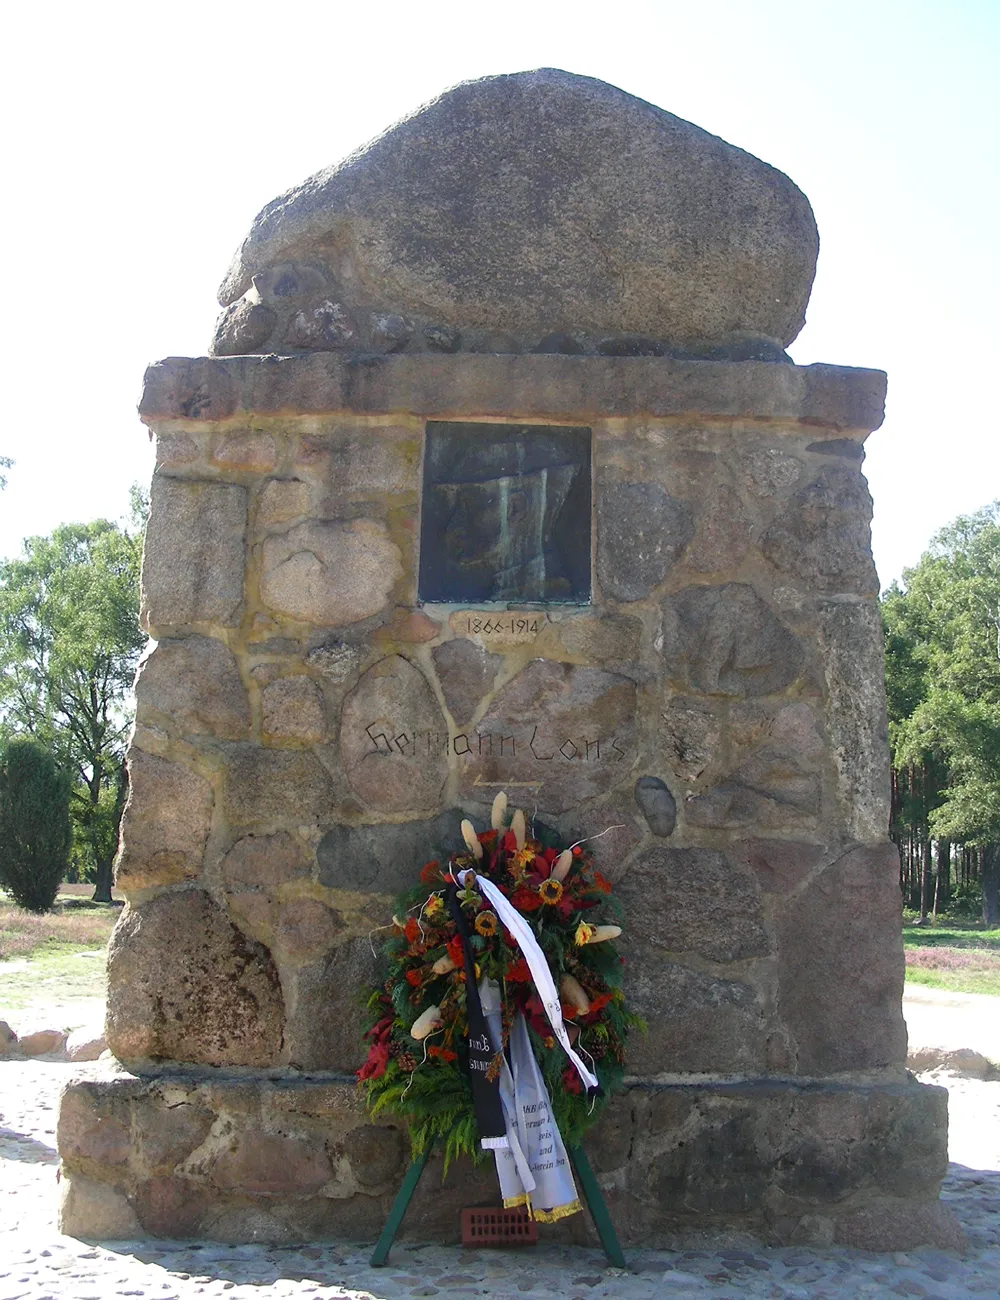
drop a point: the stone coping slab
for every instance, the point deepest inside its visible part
(551, 387)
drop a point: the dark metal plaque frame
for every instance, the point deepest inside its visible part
(505, 515)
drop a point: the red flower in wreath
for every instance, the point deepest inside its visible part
(526, 900)
(431, 873)
(455, 950)
(414, 977)
(541, 868)
(598, 1003)
(379, 1033)
(571, 1080)
(535, 1015)
(519, 972)
(378, 1060)
(412, 929)
(445, 1053)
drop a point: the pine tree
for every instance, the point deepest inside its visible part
(35, 833)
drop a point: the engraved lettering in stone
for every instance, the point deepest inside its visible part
(544, 758)
(411, 743)
(375, 737)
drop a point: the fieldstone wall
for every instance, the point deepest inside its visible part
(296, 1160)
(308, 736)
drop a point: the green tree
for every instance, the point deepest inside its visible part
(69, 644)
(943, 685)
(35, 832)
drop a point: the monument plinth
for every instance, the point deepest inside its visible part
(512, 487)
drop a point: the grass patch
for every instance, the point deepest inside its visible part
(951, 934)
(75, 923)
(968, 981)
(55, 960)
(960, 957)
(60, 975)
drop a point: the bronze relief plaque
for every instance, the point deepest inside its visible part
(506, 514)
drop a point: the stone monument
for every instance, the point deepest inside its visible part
(498, 477)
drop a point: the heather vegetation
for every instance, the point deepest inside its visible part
(958, 956)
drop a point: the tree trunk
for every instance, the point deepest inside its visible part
(990, 861)
(106, 861)
(103, 881)
(926, 879)
(942, 893)
(937, 883)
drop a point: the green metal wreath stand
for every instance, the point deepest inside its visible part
(591, 1192)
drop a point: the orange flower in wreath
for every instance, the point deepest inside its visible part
(486, 924)
(550, 891)
(445, 1053)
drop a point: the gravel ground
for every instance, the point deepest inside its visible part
(37, 1262)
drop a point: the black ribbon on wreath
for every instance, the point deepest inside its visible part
(485, 1091)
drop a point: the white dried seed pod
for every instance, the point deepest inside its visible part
(443, 965)
(426, 1023)
(572, 992)
(602, 932)
(520, 829)
(562, 864)
(498, 817)
(472, 839)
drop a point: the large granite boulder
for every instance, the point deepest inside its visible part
(195, 990)
(540, 209)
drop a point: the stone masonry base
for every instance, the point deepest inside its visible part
(241, 1159)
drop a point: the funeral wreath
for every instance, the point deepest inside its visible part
(502, 1025)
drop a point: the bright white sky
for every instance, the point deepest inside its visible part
(142, 138)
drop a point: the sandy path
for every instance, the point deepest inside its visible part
(938, 1018)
